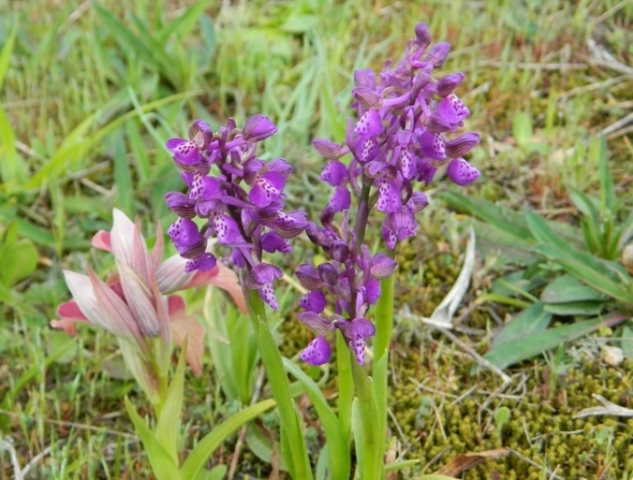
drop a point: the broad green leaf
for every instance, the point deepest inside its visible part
(205, 448)
(568, 288)
(541, 230)
(589, 270)
(338, 446)
(163, 466)
(262, 446)
(516, 283)
(217, 473)
(587, 308)
(519, 349)
(530, 321)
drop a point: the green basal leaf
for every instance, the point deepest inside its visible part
(587, 308)
(217, 473)
(519, 349)
(262, 446)
(517, 283)
(334, 435)
(589, 270)
(205, 448)
(296, 455)
(567, 288)
(163, 466)
(590, 235)
(504, 220)
(532, 320)
(541, 230)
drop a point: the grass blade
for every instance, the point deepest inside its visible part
(184, 23)
(5, 55)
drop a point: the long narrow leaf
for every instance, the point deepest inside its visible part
(520, 349)
(338, 446)
(530, 321)
(169, 417)
(588, 270)
(5, 55)
(541, 230)
(205, 448)
(504, 220)
(163, 466)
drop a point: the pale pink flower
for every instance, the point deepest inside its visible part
(133, 303)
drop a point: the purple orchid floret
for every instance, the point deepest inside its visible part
(237, 198)
(403, 134)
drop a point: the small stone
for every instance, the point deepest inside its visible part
(612, 356)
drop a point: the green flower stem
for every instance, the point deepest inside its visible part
(345, 384)
(382, 340)
(296, 453)
(370, 444)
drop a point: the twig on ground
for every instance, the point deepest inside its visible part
(608, 408)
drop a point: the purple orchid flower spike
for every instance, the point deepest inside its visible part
(241, 203)
(402, 135)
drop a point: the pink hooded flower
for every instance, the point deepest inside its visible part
(133, 303)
